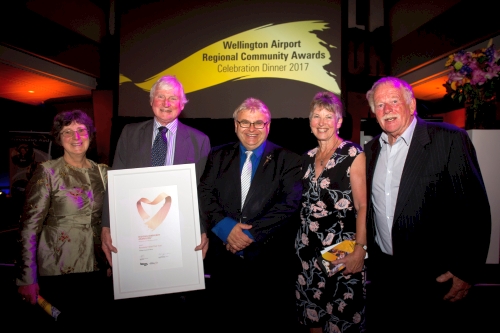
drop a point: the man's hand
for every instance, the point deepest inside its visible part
(29, 292)
(458, 290)
(203, 246)
(237, 239)
(107, 244)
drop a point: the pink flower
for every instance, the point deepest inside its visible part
(301, 280)
(304, 239)
(305, 265)
(312, 152)
(313, 226)
(321, 285)
(343, 204)
(352, 151)
(329, 308)
(342, 306)
(492, 71)
(347, 295)
(316, 208)
(330, 164)
(307, 173)
(321, 214)
(317, 294)
(297, 294)
(312, 315)
(333, 328)
(357, 318)
(325, 183)
(455, 76)
(321, 204)
(329, 238)
(478, 77)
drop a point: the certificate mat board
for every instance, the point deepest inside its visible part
(155, 226)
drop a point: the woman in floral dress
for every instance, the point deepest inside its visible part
(333, 210)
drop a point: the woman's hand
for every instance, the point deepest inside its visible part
(29, 292)
(353, 262)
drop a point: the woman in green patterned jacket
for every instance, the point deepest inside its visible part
(60, 225)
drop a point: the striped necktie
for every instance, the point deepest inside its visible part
(246, 177)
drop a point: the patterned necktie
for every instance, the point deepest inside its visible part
(246, 177)
(159, 150)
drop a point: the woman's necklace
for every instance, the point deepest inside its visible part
(329, 153)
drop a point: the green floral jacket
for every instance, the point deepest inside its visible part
(61, 222)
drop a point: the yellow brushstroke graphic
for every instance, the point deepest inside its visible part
(287, 51)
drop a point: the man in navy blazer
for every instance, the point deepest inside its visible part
(428, 220)
(185, 145)
(251, 241)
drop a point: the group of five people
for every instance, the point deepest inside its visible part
(411, 200)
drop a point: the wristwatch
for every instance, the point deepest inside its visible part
(364, 247)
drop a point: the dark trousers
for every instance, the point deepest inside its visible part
(251, 295)
(404, 297)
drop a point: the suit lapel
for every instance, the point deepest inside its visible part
(375, 152)
(182, 145)
(230, 166)
(146, 139)
(413, 166)
(372, 152)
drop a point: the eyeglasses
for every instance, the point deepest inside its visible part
(70, 133)
(257, 125)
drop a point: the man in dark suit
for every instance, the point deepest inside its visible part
(179, 144)
(428, 220)
(184, 145)
(250, 240)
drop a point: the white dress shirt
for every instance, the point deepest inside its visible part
(385, 187)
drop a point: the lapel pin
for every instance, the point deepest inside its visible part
(268, 158)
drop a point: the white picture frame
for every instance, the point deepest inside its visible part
(155, 225)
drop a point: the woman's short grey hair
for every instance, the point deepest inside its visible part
(166, 83)
(396, 83)
(252, 104)
(328, 101)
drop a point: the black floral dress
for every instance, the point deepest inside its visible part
(335, 303)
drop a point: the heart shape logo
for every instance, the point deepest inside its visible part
(156, 220)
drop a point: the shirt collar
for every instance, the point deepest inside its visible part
(405, 137)
(172, 126)
(257, 152)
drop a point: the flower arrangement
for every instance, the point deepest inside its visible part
(474, 80)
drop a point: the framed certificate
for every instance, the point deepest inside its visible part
(155, 226)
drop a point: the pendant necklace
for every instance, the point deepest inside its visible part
(334, 146)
